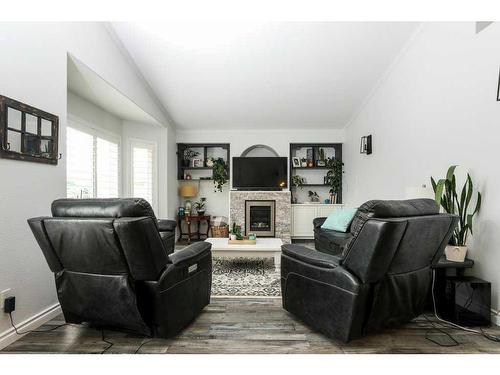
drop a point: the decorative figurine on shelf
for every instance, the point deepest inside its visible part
(187, 176)
(210, 162)
(200, 206)
(181, 213)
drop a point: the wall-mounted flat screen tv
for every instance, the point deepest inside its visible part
(260, 173)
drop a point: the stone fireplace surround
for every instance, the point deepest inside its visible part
(283, 211)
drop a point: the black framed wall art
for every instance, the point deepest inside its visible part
(28, 133)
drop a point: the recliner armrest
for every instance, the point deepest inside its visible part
(312, 257)
(318, 222)
(166, 225)
(191, 254)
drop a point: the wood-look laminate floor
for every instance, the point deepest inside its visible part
(245, 325)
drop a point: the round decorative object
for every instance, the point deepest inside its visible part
(210, 163)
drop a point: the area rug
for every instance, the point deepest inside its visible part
(245, 277)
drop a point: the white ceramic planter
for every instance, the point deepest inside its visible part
(455, 253)
(232, 237)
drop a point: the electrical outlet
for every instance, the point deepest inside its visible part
(3, 295)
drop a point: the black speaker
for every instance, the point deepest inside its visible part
(467, 301)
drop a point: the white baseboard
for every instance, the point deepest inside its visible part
(10, 336)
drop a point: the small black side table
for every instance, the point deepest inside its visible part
(441, 268)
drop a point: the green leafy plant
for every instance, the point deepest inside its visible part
(334, 175)
(190, 154)
(321, 154)
(237, 231)
(220, 174)
(297, 180)
(445, 191)
(313, 196)
(200, 205)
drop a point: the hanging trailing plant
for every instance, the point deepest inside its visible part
(334, 175)
(220, 174)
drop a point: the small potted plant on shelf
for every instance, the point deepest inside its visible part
(313, 196)
(321, 161)
(446, 196)
(220, 174)
(200, 206)
(298, 181)
(303, 162)
(236, 232)
(188, 156)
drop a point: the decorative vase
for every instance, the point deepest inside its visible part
(201, 213)
(455, 253)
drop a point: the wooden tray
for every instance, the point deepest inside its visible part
(244, 241)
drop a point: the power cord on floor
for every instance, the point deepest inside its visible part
(142, 344)
(110, 344)
(34, 330)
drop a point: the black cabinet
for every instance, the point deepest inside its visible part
(467, 301)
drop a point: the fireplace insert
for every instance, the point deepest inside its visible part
(260, 218)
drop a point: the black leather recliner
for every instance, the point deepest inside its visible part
(379, 279)
(113, 267)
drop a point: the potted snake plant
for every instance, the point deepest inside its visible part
(446, 196)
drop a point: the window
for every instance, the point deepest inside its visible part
(92, 165)
(144, 176)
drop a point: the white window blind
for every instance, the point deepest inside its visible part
(143, 171)
(92, 165)
(107, 169)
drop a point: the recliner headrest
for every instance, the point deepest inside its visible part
(400, 208)
(102, 208)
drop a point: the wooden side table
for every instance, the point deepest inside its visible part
(189, 219)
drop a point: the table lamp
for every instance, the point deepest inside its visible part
(188, 191)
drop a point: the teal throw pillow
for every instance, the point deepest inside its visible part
(339, 220)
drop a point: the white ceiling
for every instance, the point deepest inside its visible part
(220, 75)
(87, 84)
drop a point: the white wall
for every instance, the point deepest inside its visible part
(93, 115)
(437, 107)
(279, 140)
(35, 73)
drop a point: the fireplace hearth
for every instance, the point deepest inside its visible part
(260, 217)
